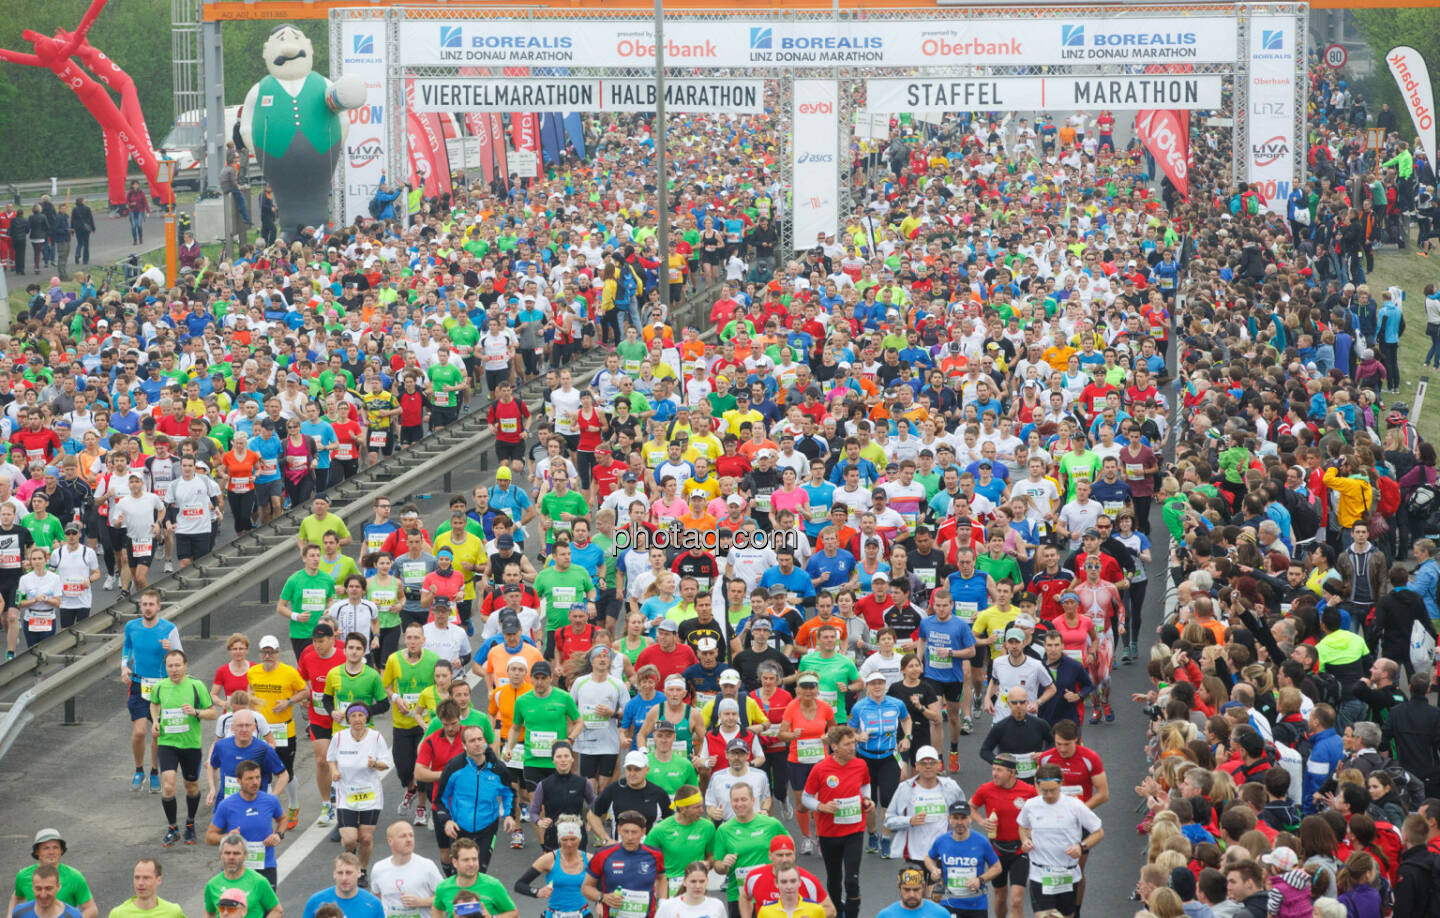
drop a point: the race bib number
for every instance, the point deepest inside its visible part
(313, 600)
(231, 785)
(345, 451)
(269, 466)
(317, 701)
(762, 503)
(967, 610)
(1134, 471)
(930, 809)
(848, 811)
(74, 588)
(1025, 764)
(937, 661)
(297, 462)
(141, 548)
(359, 797)
(809, 751)
(241, 484)
(1055, 881)
(147, 687)
(173, 720)
(673, 885)
(829, 696)
(635, 903)
(42, 621)
(592, 720)
(281, 741)
(562, 597)
(1072, 790)
(509, 425)
(378, 438)
(819, 514)
(517, 756)
(193, 513)
(9, 559)
(254, 854)
(927, 577)
(957, 881)
(541, 743)
(703, 698)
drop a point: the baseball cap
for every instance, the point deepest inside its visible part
(761, 624)
(1091, 533)
(668, 625)
(636, 759)
(730, 677)
(509, 624)
(324, 629)
(782, 843)
(505, 542)
(1024, 621)
(269, 642)
(1281, 858)
(808, 679)
(73, 527)
(875, 676)
(1014, 634)
(927, 752)
(959, 808)
(735, 745)
(705, 644)
(540, 668)
(778, 590)
(235, 897)
(629, 476)
(880, 575)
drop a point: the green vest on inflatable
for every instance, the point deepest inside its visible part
(279, 116)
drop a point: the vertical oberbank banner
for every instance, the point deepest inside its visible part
(1272, 108)
(362, 53)
(815, 154)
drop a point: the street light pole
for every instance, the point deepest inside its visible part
(662, 191)
(165, 169)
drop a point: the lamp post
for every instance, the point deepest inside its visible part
(165, 175)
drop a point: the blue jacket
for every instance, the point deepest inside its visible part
(1424, 581)
(475, 795)
(1069, 675)
(1325, 754)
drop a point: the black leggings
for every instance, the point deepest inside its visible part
(1135, 600)
(842, 871)
(241, 507)
(405, 746)
(389, 643)
(1142, 513)
(299, 491)
(114, 540)
(584, 464)
(779, 771)
(610, 327)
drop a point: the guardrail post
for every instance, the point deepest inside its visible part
(205, 628)
(265, 590)
(445, 483)
(70, 720)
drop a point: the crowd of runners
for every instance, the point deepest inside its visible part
(734, 604)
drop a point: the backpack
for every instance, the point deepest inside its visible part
(1423, 501)
(1410, 788)
(1389, 496)
(1327, 689)
(1304, 518)
(376, 208)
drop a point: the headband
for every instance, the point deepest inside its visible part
(688, 801)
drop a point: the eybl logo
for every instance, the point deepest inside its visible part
(761, 39)
(1272, 40)
(449, 36)
(1072, 36)
(364, 44)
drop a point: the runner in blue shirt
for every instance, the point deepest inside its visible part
(944, 639)
(324, 436)
(625, 872)
(963, 862)
(346, 893)
(227, 755)
(913, 903)
(830, 567)
(45, 884)
(256, 815)
(142, 664)
(822, 495)
(883, 722)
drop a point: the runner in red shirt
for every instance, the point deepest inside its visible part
(838, 792)
(1001, 798)
(667, 654)
(760, 889)
(1084, 772)
(436, 751)
(508, 417)
(316, 661)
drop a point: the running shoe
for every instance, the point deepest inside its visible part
(292, 818)
(422, 816)
(405, 801)
(873, 844)
(327, 815)
(517, 840)
(967, 726)
(885, 848)
(110, 582)
(190, 833)
(1109, 714)
(1095, 715)
(172, 835)
(154, 781)
(335, 835)
(954, 762)
(364, 881)
(807, 845)
(787, 809)
(137, 782)
(169, 567)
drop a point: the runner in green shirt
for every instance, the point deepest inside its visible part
(177, 705)
(354, 681)
(743, 843)
(684, 837)
(668, 769)
(442, 374)
(561, 507)
(995, 562)
(304, 598)
(562, 586)
(46, 530)
(145, 903)
(837, 671)
(48, 848)
(409, 672)
(260, 898)
(1082, 466)
(468, 878)
(542, 716)
(469, 716)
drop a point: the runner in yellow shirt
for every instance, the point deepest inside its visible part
(275, 689)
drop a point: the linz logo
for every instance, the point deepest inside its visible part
(817, 108)
(761, 38)
(449, 36)
(1269, 152)
(364, 152)
(1072, 36)
(1272, 40)
(364, 44)
(1264, 109)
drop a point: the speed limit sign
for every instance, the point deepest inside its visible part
(1336, 56)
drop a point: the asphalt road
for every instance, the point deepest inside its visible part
(76, 779)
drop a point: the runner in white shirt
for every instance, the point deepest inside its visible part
(140, 514)
(78, 567)
(750, 564)
(405, 881)
(1016, 669)
(196, 499)
(692, 902)
(1056, 830)
(359, 758)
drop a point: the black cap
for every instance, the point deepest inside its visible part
(324, 629)
(960, 808)
(540, 668)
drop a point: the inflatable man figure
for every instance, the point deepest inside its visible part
(291, 122)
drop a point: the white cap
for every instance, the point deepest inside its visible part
(636, 759)
(926, 752)
(874, 676)
(705, 644)
(730, 677)
(270, 641)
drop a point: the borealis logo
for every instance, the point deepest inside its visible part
(450, 36)
(761, 38)
(1072, 36)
